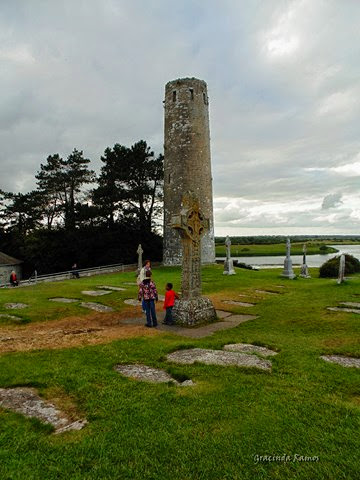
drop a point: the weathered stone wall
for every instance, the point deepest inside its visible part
(5, 271)
(187, 165)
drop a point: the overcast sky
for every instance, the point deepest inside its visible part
(284, 88)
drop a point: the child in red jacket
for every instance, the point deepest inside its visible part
(169, 302)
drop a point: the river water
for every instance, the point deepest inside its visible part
(311, 260)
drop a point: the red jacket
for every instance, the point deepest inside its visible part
(170, 296)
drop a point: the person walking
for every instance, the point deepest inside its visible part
(13, 279)
(149, 295)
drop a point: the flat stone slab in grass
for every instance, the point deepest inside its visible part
(64, 300)
(95, 293)
(240, 304)
(98, 307)
(344, 309)
(150, 374)
(351, 304)
(218, 357)
(11, 306)
(27, 402)
(267, 292)
(222, 313)
(249, 348)
(130, 283)
(344, 361)
(133, 302)
(110, 287)
(10, 317)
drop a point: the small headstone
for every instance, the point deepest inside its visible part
(288, 271)
(341, 277)
(304, 268)
(228, 264)
(98, 307)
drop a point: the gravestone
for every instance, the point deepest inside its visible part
(288, 271)
(228, 264)
(304, 268)
(341, 277)
(139, 251)
(192, 308)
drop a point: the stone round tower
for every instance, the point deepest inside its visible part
(187, 162)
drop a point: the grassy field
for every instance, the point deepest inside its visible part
(273, 249)
(213, 430)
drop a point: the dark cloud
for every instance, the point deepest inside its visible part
(332, 200)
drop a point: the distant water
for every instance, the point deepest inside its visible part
(311, 260)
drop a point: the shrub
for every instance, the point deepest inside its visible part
(245, 249)
(330, 269)
(324, 248)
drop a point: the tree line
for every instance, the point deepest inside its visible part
(75, 215)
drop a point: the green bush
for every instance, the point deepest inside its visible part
(330, 269)
(324, 248)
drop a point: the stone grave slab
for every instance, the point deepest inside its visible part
(130, 283)
(10, 317)
(110, 287)
(64, 300)
(249, 348)
(133, 302)
(222, 314)
(98, 307)
(343, 361)
(266, 292)
(14, 306)
(351, 304)
(344, 309)
(218, 357)
(150, 374)
(27, 402)
(96, 293)
(239, 304)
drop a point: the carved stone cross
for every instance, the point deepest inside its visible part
(140, 251)
(191, 225)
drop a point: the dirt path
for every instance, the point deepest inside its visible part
(92, 329)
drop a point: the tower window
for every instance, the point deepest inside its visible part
(205, 98)
(169, 178)
(192, 93)
(174, 96)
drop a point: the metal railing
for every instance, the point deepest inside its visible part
(79, 272)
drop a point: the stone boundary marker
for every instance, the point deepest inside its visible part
(28, 403)
(343, 361)
(150, 374)
(218, 357)
(249, 348)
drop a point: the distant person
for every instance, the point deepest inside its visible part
(74, 271)
(149, 295)
(141, 277)
(13, 279)
(169, 302)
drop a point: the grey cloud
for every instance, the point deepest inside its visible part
(332, 200)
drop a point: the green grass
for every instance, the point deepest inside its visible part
(211, 431)
(273, 249)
